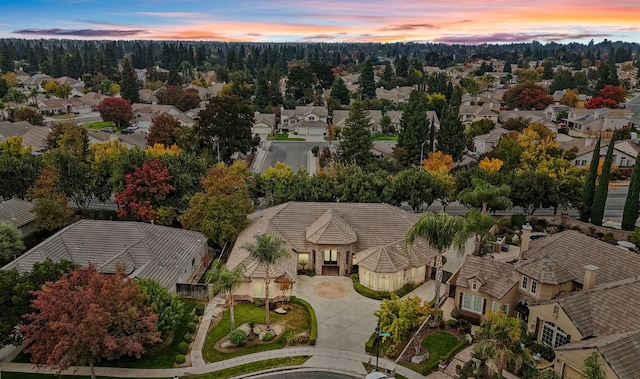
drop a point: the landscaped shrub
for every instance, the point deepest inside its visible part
(258, 303)
(303, 339)
(188, 337)
(238, 337)
(180, 359)
(518, 220)
(267, 336)
(313, 336)
(315, 150)
(191, 327)
(199, 309)
(370, 345)
(183, 348)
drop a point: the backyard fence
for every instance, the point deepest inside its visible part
(193, 291)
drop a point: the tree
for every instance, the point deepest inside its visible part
(225, 126)
(116, 110)
(479, 127)
(227, 283)
(300, 85)
(29, 115)
(10, 240)
(527, 96)
(339, 91)
(401, 316)
(87, 316)
(590, 184)
(4, 88)
(69, 136)
(441, 231)
(451, 137)
(593, 367)
(480, 225)
(268, 250)
(499, 337)
(51, 204)
(600, 198)
(221, 210)
(485, 196)
(356, 141)
(129, 84)
(490, 164)
(631, 205)
(166, 304)
(414, 131)
(569, 98)
(418, 188)
(437, 162)
(367, 82)
(23, 171)
(533, 190)
(144, 192)
(164, 129)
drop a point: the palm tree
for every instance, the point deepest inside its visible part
(267, 250)
(480, 225)
(485, 196)
(440, 231)
(226, 282)
(499, 338)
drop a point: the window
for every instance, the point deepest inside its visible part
(525, 280)
(623, 162)
(505, 308)
(534, 286)
(257, 290)
(495, 307)
(553, 336)
(398, 281)
(472, 303)
(383, 283)
(369, 279)
(331, 257)
(474, 286)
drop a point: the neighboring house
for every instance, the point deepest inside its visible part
(93, 99)
(19, 213)
(594, 121)
(77, 86)
(398, 94)
(625, 152)
(168, 255)
(485, 143)
(147, 96)
(305, 120)
(329, 238)
(471, 113)
(551, 112)
(487, 102)
(63, 106)
(36, 80)
(532, 116)
(263, 124)
(32, 136)
(634, 106)
(340, 118)
(145, 113)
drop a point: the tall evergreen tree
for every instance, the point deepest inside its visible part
(451, 139)
(599, 200)
(357, 142)
(129, 84)
(367, 82)
(414, 131)
(590, 185)
(339, 91)
(631, 206)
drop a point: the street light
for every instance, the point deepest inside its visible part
(422, 152)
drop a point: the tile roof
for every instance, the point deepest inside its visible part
(545, 270)
(32, 136)
(331, 229)
(575, 250)
(497, 278)
(147, 251)
(396, 256)
(598, 312)
(620, 351)
(17, 212)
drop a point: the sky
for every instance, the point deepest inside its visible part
(446, 21)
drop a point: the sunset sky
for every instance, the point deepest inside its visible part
(448, 21)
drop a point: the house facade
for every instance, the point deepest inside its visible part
(304, 120)
(595, 121)
(471, 113)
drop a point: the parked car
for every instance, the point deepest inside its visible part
(130, 129)
(107, 129)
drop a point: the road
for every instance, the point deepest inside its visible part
(293, 153)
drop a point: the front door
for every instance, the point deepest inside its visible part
(330, 264)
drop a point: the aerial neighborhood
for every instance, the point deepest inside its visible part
(422, 210)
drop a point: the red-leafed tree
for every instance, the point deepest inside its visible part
(608, 97)
(144, 191)
(599, 102)
(527, 96)
(116, 110)
(164, 129)
(86, 317)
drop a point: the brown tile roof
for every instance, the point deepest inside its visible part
(32, 136)
(606, 309)
(331, 229)
(545, 270)
(396, 256)
(497, 278)
(574, 250)
(620, 351)
(17, 212)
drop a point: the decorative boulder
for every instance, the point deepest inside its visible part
(277, 329)
(281, 311)
(418, 359)
(245, 328)
(227, 344)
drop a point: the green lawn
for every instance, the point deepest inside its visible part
(21, 375)
(296, 320)
(284, 137)
(438, 344)
(253, 367)
(97, 125)
(383, 137)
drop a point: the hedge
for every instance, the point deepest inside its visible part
(379, 295)
(314, 321)
(371, 343)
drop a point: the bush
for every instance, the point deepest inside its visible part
(180, 359)
(519, 219)
(183, 348)
(238, 337)
(315, 150)
(267, 336)
(313, 336)
(303, 339)
(188, 337)
(199, 309)
(191, 327)
(370, 345)
(259, 303)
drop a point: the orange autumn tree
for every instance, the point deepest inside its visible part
(86, 317)
(491, 164)
(438, 162)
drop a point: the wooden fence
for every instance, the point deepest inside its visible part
(193, 291)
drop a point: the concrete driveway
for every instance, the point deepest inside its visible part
(345, 318)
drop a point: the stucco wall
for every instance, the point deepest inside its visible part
(571, 363)
(545, 313)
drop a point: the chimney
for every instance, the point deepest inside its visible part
(587, 141)
(525, 238)
(589, 276)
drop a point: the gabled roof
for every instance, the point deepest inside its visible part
(497, 278)
(331, 229)
(620, 351)
(575, 250)
(545, 270)
(32, 135)
(17, 212)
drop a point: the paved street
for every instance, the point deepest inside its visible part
(294, 154)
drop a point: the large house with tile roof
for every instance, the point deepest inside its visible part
(332, 237)
(168, 255)
(33, 136)
(594, 121)
(304, 120)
